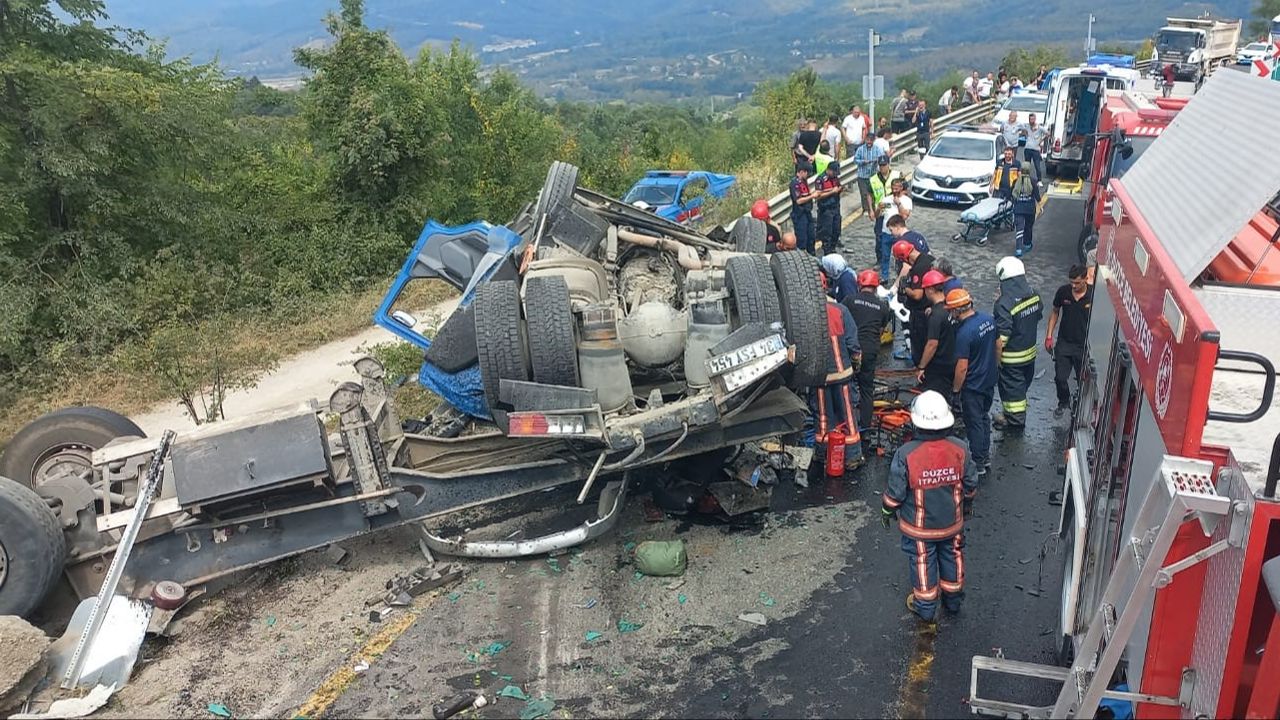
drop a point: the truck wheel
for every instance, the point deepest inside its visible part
(453, 348)
(553, 349)
(804, 314)
(62, 441)
(32, 550)
(755, 297)
(749, 235)
(500, 338)
(562, 178)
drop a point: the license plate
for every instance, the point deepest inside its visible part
(946, 197)
(721, 364)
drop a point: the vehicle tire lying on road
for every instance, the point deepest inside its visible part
(804, 314)
(553, 349)
(500, 339)
(61, 440)
(31, 549)
(755, 296)
(749, 235)
(562, 179)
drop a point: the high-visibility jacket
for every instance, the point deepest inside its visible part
(1018, 313)
(929, 480)
(997, 178)
(880, 187)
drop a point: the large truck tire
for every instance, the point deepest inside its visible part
(553, 348)
(562, 179)
(804, 314)
(62, 439)
(32, 550)
(1088, 241)
(755, 296)
(749, 235)
(454, 346)
(500, 339)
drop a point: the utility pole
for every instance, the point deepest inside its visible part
(1088, 40)
(871, 71)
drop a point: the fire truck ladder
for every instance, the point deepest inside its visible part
(1183, 488)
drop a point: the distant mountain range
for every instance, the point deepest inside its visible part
(648, 50)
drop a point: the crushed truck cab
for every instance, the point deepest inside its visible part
(592, 340)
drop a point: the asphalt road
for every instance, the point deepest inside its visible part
(830, 580)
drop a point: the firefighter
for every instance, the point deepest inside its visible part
(912, 295)
(828, 199)
(834, 399)
(974, 382)
(1017, 312)
(802, 208)
(871, 314)
(760, 211)
(932, 483)
(937, 365)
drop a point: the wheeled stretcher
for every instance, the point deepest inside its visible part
(990, 215)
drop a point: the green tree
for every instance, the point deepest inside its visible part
(1025, 64)
(1264, 11)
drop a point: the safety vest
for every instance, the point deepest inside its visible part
(880, 187)
(1013, 176)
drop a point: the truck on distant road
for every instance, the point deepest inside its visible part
(1195, 46)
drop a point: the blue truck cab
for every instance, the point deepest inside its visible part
(678, 195)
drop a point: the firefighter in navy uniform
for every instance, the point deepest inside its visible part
(802, 208)
(834, 400)
(872, 315)
(1018, 311)
(828, 194)
(932, 483)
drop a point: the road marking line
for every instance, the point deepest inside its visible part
(339, 680)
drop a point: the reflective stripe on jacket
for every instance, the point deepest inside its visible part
(929, 481)
(1018, 313)
(843, 333)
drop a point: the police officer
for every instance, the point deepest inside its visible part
(871, 314)
(802, 208)
(1017, 313)
(1026, 201)
(828, 198)
(937, 365)
(932, 483)
(974, 382)
(834, 399)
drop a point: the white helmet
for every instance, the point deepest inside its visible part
(930, 411)
(1010, 267)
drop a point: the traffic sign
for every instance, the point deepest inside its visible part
(870, 92)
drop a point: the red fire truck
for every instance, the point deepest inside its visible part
(1129, 123)
(1170, 528)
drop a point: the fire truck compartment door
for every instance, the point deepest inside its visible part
(1192, 203)
(1076, 523)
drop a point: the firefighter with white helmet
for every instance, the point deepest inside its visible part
(1017, 312)
(932, 483)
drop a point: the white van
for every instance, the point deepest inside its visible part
(1075, 104)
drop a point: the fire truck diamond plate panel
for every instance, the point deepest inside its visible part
(1194, 202)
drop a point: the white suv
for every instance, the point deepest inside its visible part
(958, 167)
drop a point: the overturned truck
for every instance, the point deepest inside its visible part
(592, 339)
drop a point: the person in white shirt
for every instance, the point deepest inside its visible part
(944, 102)
(832, 133)
(985, 86)
(971, 89)
(855, 130)
(882, 141)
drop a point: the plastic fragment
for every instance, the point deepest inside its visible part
(593, 635)
(496, 647)
(219, 709)
(513, 692)
(767, 600)
(682, 598)
(626, 626)
(534, 709)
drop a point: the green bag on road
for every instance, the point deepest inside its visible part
(661, 557)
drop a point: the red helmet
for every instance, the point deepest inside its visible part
(868, 278)
(760, 209)
(902, 249)
(933, 278)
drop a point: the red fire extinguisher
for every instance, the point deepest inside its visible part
(835, 452)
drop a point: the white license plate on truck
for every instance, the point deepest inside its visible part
(739, 367)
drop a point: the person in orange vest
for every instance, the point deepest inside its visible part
(932, 483)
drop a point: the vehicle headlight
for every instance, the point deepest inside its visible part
(985, 179)
(920, 175)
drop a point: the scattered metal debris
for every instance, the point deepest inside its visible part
(754, 618)
(69, 708)
(337, 555)
(456, 704)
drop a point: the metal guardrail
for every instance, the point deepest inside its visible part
(901, 145)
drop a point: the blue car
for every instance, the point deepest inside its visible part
(678, 195)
